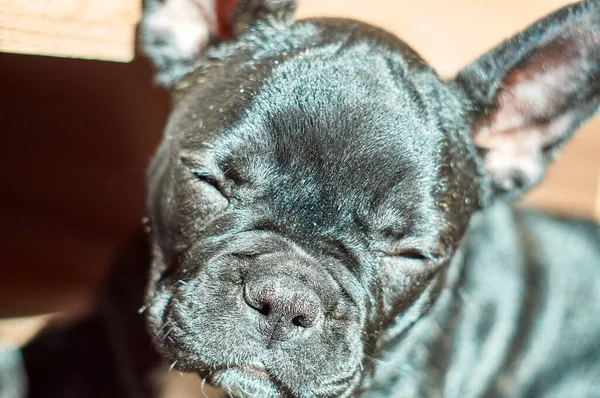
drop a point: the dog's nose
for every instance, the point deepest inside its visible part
(285, 307)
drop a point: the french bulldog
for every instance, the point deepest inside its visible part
(327, 217)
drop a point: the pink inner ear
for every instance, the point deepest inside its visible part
(532, 112)
(521, 127)
(540, 91)
(535, 93)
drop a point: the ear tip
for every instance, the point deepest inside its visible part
(173, 34)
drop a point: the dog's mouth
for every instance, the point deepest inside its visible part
(246, 381)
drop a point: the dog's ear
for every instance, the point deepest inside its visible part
(531, 93)
(175, 33)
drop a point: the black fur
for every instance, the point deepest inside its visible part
(322, 222)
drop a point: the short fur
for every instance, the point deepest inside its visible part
(328, 218)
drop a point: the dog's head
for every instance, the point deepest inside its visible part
(316, 178)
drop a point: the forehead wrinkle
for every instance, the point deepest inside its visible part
(364, 146)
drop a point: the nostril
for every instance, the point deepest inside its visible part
(286, 306)
(264, 310)
(300, 322)
(256, 302)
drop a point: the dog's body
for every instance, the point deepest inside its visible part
(325, 215)
(509, 319)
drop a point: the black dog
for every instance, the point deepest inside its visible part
(328, 218)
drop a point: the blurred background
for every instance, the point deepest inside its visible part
(77, 136)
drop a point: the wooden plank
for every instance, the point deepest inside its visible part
(70, 28)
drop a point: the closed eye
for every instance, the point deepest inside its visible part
(413, 255)
(207, 178)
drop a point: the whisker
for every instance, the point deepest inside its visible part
(202, 388)
(163, 326)
(167, 334)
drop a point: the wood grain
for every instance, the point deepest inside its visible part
(70, 28)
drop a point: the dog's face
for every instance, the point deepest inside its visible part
(315, 181)
(299, 218)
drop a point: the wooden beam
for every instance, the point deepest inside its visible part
(89, 29)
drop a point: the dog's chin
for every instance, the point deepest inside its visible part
(245, 382)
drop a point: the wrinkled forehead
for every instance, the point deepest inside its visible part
(338, 121)
(349, 127)
(346, 109)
